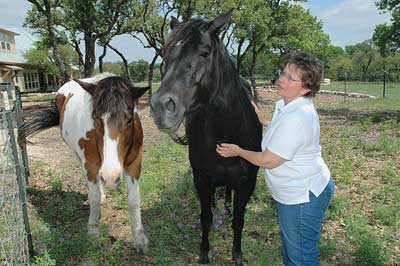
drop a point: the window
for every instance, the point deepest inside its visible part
(5, 41)
(31, 81)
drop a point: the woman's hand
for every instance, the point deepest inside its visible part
(228, 150)
(263, 121)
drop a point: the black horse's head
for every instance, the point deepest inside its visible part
(190, 54)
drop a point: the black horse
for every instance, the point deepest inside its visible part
(202, 85)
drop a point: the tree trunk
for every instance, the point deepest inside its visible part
(128, 72)
(90, 54)
(150, 77)
(53, 42)
(101, 58)
(162, 69)
(252, 71)
(238, 58)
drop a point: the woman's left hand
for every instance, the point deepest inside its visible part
(228, 150)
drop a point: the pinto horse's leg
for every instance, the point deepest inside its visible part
(94, 198)
(240, 200)
(102, 194)
(139, 238)
(205, 193)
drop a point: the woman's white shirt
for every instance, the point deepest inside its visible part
(294, 134)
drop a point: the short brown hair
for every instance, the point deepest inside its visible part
(310, 68)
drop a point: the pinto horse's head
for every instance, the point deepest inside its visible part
(189, 54)
(114, 122)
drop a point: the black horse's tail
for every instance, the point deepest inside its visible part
(41, 120)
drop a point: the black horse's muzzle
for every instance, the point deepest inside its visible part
(166, 111)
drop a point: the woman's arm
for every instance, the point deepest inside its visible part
(264, 159)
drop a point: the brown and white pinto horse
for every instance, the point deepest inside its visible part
(99, 122)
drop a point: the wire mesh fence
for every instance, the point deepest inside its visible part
(15, 238)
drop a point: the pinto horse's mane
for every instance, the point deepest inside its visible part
(111, 96)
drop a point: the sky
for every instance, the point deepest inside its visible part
(346, 21)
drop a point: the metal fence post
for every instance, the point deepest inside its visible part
(21, 188)
(384, 83)
(345, 86)
(20, 120)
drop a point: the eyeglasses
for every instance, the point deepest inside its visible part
(288, 77)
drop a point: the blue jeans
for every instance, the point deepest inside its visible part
(300, 226)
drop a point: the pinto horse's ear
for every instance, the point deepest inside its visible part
(173, 23)
(219, 22)
(138, 91)
(86, 86)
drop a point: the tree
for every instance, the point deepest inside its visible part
(45, 60)
(362, 54)
(139, 70)
(84, 20)
(388, 36)
(43, 18)
(382, 38)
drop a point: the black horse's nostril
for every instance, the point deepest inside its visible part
(170, 105)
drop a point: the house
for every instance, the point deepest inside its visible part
(15, 70)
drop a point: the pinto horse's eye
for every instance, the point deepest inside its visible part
(130, 120)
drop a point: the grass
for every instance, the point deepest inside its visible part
(369, 88)
(360, 143)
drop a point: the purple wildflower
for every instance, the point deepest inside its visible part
(180, 225)
(185, 236)
(225, 211)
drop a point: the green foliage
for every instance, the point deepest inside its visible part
(44, 260)
(369, 251)
(337, 208)
(139, 70)
(388, 215)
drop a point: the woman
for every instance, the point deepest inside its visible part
(296, 174)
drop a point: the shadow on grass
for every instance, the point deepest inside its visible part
(60, 232)
(353, 116)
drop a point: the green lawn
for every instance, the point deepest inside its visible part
(360, 141)
(369, 88)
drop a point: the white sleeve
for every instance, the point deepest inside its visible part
(287, 138)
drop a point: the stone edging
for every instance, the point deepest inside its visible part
(353, 95)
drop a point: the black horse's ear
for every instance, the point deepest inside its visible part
(173, 23)
(219, 22)
(86, 86)
(138, 91)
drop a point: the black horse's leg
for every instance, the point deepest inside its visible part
(241, 197)
(205, 193)
(228, 199)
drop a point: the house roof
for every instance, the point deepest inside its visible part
(23, 42)
(8, 32)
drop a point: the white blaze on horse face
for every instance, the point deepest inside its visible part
(111, 167)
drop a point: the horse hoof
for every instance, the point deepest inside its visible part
(93, 231)
(141, 242)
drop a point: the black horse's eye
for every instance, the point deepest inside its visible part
(204, 54)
